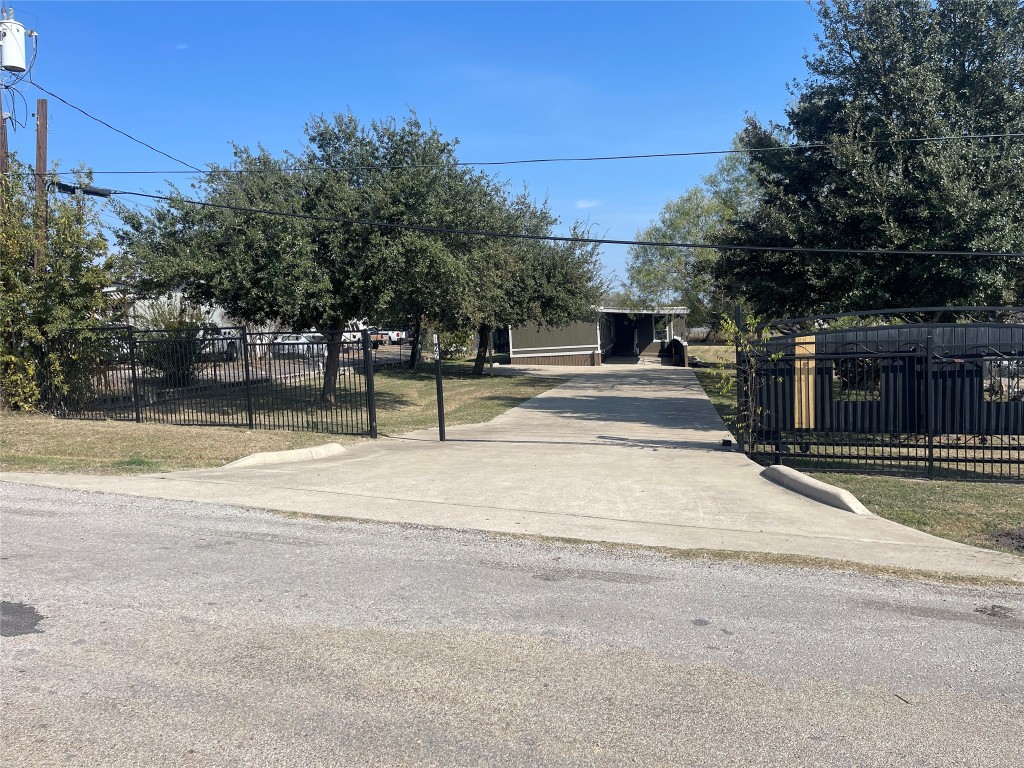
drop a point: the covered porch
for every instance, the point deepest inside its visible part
(614, 332)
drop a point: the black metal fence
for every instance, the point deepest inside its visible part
(214, 377)
(929, 400)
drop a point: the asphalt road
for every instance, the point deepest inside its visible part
(147, 632)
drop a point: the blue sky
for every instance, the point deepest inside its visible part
(509, 80)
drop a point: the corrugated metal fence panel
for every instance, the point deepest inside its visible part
(935, 400)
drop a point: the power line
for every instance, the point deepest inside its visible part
(15, 95)
(116, 130)
(564, 238)
(596, 158)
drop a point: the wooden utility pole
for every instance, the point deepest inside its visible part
(41, 223)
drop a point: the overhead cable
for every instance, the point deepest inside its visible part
(565, 238)
(596, 158)
(116, 130)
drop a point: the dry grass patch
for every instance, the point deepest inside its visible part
(405, 402)
(715, 354)
(40, 443)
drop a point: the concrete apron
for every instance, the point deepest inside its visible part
(620, 454)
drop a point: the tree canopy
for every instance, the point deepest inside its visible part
(893, 91)
(368, 238)
(670, 275)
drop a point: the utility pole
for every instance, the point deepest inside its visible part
(41, 223)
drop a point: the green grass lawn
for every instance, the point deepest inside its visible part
(989, 515)
(720, 387)
(406, 401)
(717, 354)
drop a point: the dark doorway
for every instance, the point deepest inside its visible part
(625, 335)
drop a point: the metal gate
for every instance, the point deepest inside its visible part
(924, 399)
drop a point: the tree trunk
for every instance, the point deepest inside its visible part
(414, 353)
(483, 343)
(332, 366)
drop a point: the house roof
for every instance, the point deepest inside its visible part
(645, 310)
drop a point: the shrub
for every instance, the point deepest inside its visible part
(40, 302)
(169, 339)
(455, 345)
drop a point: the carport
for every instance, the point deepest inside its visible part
(614, 331)
(642, 333)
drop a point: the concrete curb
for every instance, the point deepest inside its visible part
(798, 482)
(283, 457)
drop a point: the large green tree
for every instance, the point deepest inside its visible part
(889, 83)
(534, 281)
(336, 258)
(664, 275)
(380, 228)
(40, 302)
(402, 174)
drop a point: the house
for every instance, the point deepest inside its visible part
(614, 332)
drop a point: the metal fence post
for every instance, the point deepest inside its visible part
(42, 376)
(929, 400)
(440, 388)
(135, 375)
(742, 384)
(371, 395)
(250, 412)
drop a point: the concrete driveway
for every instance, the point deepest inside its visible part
(622, 454)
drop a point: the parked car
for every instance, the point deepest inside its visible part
(298, 345)
(354, 334)
(219, 343)
(393, 337)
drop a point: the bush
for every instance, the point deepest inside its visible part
(455, 345)
(19, 388)
(170, 340)
(39, 304)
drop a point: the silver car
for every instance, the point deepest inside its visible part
(305, 346)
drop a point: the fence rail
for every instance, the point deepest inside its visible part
(214, 377)
(941, 401)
